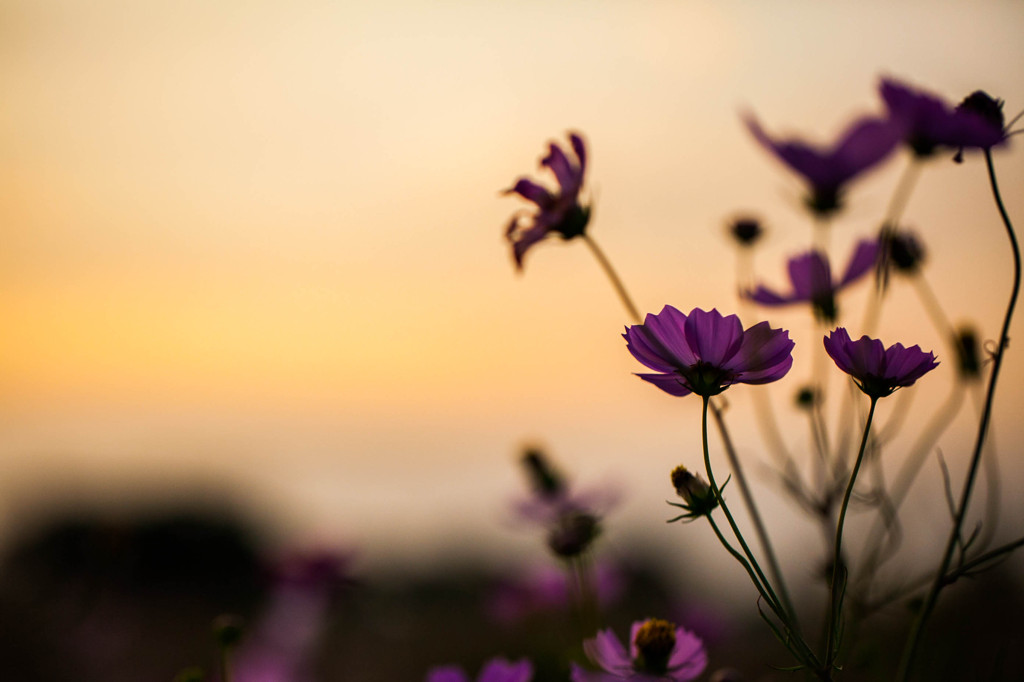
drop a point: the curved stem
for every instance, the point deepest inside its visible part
(614, 277)
(755, 515)
(939, 582)
(838, 578)
(773, 598)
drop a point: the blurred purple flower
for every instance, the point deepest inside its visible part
(548, 588)
(867, 142)
(928, 123)
(705, 353)
(572, 518)
(557, 212)
(878, 371)
(658, 651)
(495, 670)
(812, 281)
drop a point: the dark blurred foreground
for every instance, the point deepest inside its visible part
(87, 598)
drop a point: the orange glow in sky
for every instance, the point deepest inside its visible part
(260, 243)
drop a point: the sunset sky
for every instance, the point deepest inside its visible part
(256, 246)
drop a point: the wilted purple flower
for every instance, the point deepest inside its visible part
(705, 353)
(495, 670)
(864, 144)
(878, 371)
(658, 651)
(571, 517)
(927, 123)
(812, 281)
(557, 212)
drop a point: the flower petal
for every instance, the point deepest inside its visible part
(607, 651)
(811, 276)
(863, 260)
(713, 337)
(500, 670)
(530, 190)
(673, 384)
(689, 658)
(867, 142)
(568, 176)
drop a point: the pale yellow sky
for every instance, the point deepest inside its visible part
(259, 243)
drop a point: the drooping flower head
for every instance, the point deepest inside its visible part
(705, 353)
(658, 650)
(495, 670)
(811, 277)
(877, 370)
(827, 171)
(558, 212)
(928, 123)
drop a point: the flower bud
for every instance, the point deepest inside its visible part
(967, 355)
(544, 479)
(746, 231)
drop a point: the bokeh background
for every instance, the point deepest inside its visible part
(252, 255)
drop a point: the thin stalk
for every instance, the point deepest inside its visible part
(613, 277)
(755, 515)
(774, 601)
(836, 599)
(939, 582)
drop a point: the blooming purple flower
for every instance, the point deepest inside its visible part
(495, 670)
(704, 352)
(867, 142)
(658, 651)
(557, 212)
(812, 281)
(928, 123)
(878, 371)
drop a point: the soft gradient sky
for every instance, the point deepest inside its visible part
(259, 244)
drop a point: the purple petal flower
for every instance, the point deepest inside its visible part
(557, 212)
(812, 280)
(658, 651)
(927, 123)
(704, 352)
(877, 370)
(495, 670)
(867, 142)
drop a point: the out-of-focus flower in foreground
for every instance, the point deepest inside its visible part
(658, 650)
(705, 353)
(811, 277)
(557, 212)
(877, 370)
(927, 123)
(495, 670)
(867, 142)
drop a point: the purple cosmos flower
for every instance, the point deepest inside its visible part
(557, 212)
(877, 370)
(658, 651)
(867, 142)
(928, 123)
(495, 670)
(705, 353)
(812, 280)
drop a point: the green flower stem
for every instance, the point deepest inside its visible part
(774, 600)
(838, 577)
(613, 276)
(940, 581)
(755, 515)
